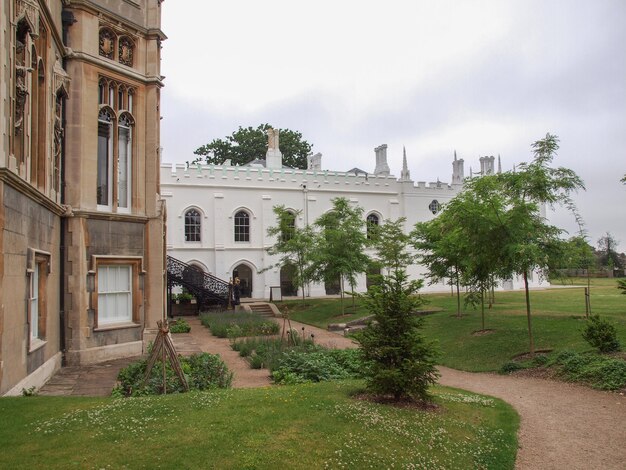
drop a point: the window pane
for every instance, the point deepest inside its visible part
(192, 226)
(242, 227)
(123, 166)
(34, 303)
(114, 294)
(103, 163)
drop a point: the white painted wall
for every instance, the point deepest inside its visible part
(218, 192)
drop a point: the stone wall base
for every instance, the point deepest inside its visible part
(105, 353)
(39, 377)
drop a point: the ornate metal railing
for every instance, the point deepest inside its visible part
(206, 288)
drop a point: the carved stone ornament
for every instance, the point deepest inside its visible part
(107, 43)
(21, 92)
(126, 52)
(61, 80)
(29, 11)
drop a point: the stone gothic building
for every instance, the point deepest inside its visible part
(218, 216)
(81, 219)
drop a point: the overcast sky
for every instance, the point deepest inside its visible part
(478, 77)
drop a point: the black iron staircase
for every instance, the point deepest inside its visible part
(209, 291)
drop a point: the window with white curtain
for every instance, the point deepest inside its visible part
(115, 294)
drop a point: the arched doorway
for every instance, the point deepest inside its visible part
(287, 274)
(244, 273)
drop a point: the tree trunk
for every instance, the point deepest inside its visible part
(482, 307)
(343, 312)
(531, 341)
(458, 296)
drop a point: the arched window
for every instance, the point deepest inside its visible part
(434, 206)
(372, 225)
(242, 227)
(124, 159)
(105, 157)
(288, 226)
(192, 226)
(115, 146)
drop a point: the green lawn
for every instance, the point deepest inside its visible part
(303, 426)
(557, 313)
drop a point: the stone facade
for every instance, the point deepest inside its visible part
(80, 208)
(217, 194)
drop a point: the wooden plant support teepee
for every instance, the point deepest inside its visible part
(164, 348)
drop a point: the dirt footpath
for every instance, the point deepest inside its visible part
(563, 426)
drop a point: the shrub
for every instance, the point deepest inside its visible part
(510, 366)
(202, 371)
(184, 297)
(596, 370)
(238, 324)
(601, 334)
(317, 366)
(265, 352)
(180, 326)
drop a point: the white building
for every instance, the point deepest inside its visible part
(218, 216)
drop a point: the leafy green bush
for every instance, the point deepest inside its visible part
(317, 366)
(180, 326)
(264, 352)
(601, 334)
(202, 371)
(540, 360)
(599, 371)
(510, 366)
(184, 297)
(238, 324)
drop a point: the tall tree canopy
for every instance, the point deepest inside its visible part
(340, 245)
(293, 245)
(247, 144)
(607, 247)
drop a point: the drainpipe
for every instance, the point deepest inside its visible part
(67, 19)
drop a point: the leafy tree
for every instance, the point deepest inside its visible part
(293, 245)
(400, 361)
(339, 250)
(247, 144)
(527, 241)
(440, 243)
(607, 246)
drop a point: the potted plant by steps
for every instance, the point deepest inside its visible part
(185, 304)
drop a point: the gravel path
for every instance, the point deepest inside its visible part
(563, 426)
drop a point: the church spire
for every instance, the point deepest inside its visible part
(405, 175)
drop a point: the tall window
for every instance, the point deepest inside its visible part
(372, 225)
(192, 226)
(115, 146)
(115, 294)
(38, 276)
(242, 227)
(34, 303)
(124, 161)
(105, 159)
(288, 226)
